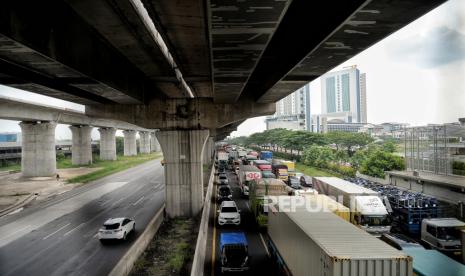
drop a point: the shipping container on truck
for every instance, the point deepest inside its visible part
(258, 189)
(247, 174)
(305, 243)
(266, 155)
(324, 202)
(290, 167)
(280, 171)
(367, 209)
(263, 165)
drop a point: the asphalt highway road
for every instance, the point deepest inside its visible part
(58, 237)
(260, 263)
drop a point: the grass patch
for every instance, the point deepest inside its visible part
(111, 167)
(312, 171)
(171, 251)
(11, 167)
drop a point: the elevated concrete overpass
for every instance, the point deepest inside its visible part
(193, 69)
(38, 124)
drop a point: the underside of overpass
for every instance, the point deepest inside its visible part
(195, 68)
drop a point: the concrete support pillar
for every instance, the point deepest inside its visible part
(154, 145)
(107, 143)
(130, 145)
(81, 150)
(208, 151)
(144, 146)
(38, 155)
(182, 150)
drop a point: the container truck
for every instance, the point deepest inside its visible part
(260, 188)
(247, 173)
(443, 234)
(290, 167)
(262, 165)
(367, 209)
(234, 252)
(305, 243)
(280, 171)
(241, 153)
(266, 155)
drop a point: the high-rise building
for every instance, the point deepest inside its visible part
(293, 111)
(343, 95)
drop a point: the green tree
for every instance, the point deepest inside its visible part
(348, 140)
(378, 161)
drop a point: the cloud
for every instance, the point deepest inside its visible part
(439, 46)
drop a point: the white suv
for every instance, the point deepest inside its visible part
(116, 228)
(228, 213)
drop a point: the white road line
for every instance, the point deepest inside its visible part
(264, 244)
(140, 199)
(114, 203)
(15, 232)
(51, 234)
(70, 231)
(247, 204)
(94, 236)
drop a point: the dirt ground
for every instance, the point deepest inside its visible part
(15, 188)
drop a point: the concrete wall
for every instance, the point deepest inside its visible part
(107, 143)
(130, 144)
(182, 150)
(38, 156)
(81, 151)
(441, 192)
(144, 142)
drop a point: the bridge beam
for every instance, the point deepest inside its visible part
(81, 150)
(107, 143)
(130, 144)
(154, 145)
(38, 154)
(144, 142)
(176, 114)
(182, 151)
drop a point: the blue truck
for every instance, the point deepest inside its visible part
(234, 252)
(266, 155)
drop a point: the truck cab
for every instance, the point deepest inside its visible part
(443, 234)
(370, 214)
(234, 252)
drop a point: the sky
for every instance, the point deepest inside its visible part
(416, 76)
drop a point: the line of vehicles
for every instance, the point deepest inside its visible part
(345, 225)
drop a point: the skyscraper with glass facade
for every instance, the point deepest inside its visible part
(343, 95)
(293, 111)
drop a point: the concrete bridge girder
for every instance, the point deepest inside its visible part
(175, 114)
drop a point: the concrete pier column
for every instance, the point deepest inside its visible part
(107, 143)
(38, 155)
(144, 146)
(154, 145)
(81, 150)
(182, 150)
(130, 145)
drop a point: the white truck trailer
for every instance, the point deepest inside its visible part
(367, 209)
(321, 243)
(247, 174)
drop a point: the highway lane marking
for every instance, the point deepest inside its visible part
(70, 231)
(94, 236)
(140, 199)
(51, 234)
(264, 244)
(116, 202)
(15, 232)
(247, 204)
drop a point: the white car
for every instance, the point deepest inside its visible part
(228, 213)
(116, 228)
